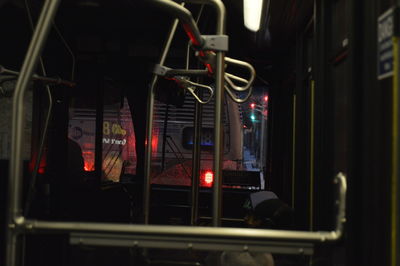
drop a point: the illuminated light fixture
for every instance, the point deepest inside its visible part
(253, 117)
(266, 98)
(208, 177)
(252, 10)
(252, 105)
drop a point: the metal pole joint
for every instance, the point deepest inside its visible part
(213, 43)
(17, 225)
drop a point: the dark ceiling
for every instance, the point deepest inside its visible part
(129, 28)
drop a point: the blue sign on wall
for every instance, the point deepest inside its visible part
(385, 44)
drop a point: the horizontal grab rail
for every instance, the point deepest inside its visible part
(197, 234)
(57, 81)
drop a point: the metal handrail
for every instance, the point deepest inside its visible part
(57, 81)
(199, 234)
(195, 36)
(189, 86)
(232, 86)
(236, 99)
(229, 77)
(185, 17)
(149, 125)
(36, 45)
(17, 224)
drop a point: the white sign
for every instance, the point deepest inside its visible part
(385, 44)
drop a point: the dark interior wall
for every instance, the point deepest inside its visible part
(15, 39)
(354, 119)
(369, 188)
(291, 81)
(352, 128)
(302, 93)
(281, 161)
(279, 125)
(333, 116)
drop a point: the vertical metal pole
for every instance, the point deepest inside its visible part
(196, 160)
(262, 140)
(218, 141)
(98, 155)
(164, 138)
(15, 177)
(218, 127)
(149, 126)
(196, 156)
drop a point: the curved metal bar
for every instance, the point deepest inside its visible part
(186, 18)
(219, 9)
(239, 100)
(242, 64)
(219, 93)
(188, 85)
(36, 45)
(340, 179)
(149, 126)
(198, 234)
(45, 79)
(248, 83)
(192, 30)
(191, 90)
(236, 78)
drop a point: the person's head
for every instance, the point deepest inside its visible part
(265, 210)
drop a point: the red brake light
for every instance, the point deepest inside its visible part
(208, 177)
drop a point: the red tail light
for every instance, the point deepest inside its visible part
(208, 177)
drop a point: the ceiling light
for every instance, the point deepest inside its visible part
(252, 10)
